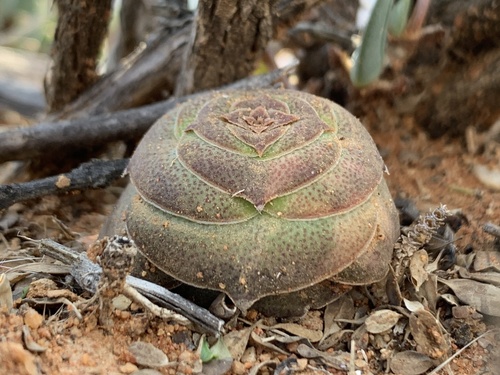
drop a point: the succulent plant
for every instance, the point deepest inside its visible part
(260, 193)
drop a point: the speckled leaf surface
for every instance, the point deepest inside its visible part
(254, 258)
(261, 193)
(165, 183)
(258, 181)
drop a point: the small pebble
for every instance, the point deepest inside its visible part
(302, 363)
(186, 356)
(238, 368)
(32, 318)
(147, 371)
(120, 302)
(87, 361)
(462, 312)
(128, 368)
(249, 355)
(147, 355)
(123, 315)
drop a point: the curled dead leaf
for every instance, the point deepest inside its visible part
(30, 343)
(451, 299)
(381, 320)
(333, 339)
(296, 329)
(237, 341)
(6, 299)
(267, 344)
(342, 308)
(484, 298)
(338, 360)
(492, 278)
(418, 262)
(413, 305)
(431, 339)
(410, 363)
(429, 292)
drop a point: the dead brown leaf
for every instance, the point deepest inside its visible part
(484, 298)
(237, 341)
(381, 320)
(430, 338)
(486, 260)
(298, 330)
(339, 360)
(410, 363)
(492, 278)
(418, 262)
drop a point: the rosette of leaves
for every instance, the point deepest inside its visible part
(260, 193)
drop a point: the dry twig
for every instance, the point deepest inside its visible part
(90, 175)
(87, 275)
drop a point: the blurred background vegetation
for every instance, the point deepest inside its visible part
(27, 24)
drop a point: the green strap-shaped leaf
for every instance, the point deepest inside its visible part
(399, 17)
(369, 56)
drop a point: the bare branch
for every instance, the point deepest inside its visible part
(56, 137)
(94, 174)
(136, 82)
(83, 133)
(139, 19)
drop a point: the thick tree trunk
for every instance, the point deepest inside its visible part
(151, 74)
(81, 29)
(228, 37)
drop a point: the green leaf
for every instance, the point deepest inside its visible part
(217, 351)
(369, 56)
(206, 354)
(398, 17)
(220, 350)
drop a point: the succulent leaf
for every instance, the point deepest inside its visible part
(258, 181)
(259, 193)
(255, 258)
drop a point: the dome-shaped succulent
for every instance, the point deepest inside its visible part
(260, 193)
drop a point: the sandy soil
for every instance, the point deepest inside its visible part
(428, 172)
